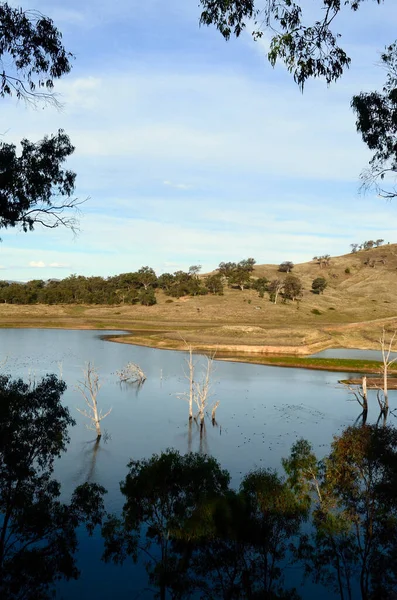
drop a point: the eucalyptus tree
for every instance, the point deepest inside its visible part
(35, 188)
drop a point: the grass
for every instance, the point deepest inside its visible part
(353, 309)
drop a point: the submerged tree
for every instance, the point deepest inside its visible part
(37, 531)
(89, 389)
(199, 389)
(386, 348)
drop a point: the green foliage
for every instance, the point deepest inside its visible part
(147, 297)
(34, 187)
(376, 121)
(35, 47)
(308, 49)
(260, 284)
(347, 271)
(318, 285)
(29, 182)
(166, 497)
(38, 532)
(214, 284)
(354, 512)
(293, 287)
(286, 266)
(238, 274)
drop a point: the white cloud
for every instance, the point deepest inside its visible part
(37, 264)
(56, 265)
(178, 186)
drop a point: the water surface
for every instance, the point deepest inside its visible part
(263, 410)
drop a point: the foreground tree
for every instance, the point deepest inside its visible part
(354, 511)
(34, 188)
(37, 531)
(164, 497)
(304, 38)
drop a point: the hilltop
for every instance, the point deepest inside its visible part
(360, 298)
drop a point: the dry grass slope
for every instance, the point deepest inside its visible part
(353, 309)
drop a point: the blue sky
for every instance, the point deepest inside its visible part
(192, 150)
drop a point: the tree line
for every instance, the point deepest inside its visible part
(334, 518)
(367, 245)
(139, 287)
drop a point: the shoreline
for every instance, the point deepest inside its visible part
(294, 357)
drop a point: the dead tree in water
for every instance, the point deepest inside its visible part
(131, 373)
(199, 391)
(386, 348)
(89, 389)
(362, 399)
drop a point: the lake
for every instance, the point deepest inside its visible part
(262, 411)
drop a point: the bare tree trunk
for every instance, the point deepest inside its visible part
(191, 384)
(364, 394)
(89, 389)
(386, 350)
(213, 412)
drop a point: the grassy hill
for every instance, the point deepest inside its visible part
(360, 298)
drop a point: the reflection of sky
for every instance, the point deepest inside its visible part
(262, 411)
(352, 353)
(192, 150)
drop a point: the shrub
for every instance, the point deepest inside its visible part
(347, 271)
(319, 284)
(169, 301)
(315, 311)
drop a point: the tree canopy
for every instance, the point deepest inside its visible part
(309, 46)
(37, 531)
(34, 187)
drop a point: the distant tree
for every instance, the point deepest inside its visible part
(354, 248)
(379, 242)
(147, 297)
(240, 277)
(323, 260)
(214, 284)
(260, 285)
(247, 264)
(292, 287)
(226, 269)
(165, 281)
(146, 277)
(368, 244)
(37, 531)
(318, 285)
(194, 270)
(274, 288)
(286, 266)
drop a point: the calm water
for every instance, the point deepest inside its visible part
(262, 411)
(353, 353)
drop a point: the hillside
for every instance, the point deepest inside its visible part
(350, 313)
